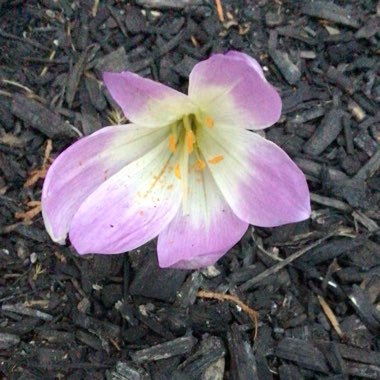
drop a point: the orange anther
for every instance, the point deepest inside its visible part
(209, 121)
(190, 140)
(216, 159)
(200, 164)
(172, 143)
(177, 171)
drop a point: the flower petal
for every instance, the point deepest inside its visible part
(81, 168)
(130, 208)
(203, 233)
(263, 186)
(232, 90)
(146, 102)
(248, 60)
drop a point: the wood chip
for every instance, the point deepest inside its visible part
(243, 362)
(302, 352)
(326, 133)
(330, 11)
(39, 117)
(165, 350)
(19, 308)
(165, 4)
(227, 297)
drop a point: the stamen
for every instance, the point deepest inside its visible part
(216, 159)
(177, 171)
(200, 165)
(172, 143)
(190, 140)
(209, 121)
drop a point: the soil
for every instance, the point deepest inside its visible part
(314, 285)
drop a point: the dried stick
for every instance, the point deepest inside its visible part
(228, 297)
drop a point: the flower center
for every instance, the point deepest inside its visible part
(184, 136)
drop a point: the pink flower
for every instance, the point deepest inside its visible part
(187, 169)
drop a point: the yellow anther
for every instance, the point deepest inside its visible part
(200, 165)
(190, 140)
(177, 171)
(172, 143)
(216, 159)
(209, 121)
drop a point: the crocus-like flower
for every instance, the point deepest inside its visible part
(187, 169)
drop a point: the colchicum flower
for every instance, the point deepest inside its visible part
(187, 169)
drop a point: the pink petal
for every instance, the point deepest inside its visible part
(248, 60)
(129, 209)
(203, 233)
(81, 168)
(146, 102)
(262, 185)
(232, 90)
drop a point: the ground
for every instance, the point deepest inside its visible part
(315, 285)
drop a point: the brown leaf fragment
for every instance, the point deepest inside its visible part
(38, 174)
(27, 216)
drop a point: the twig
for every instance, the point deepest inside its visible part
(330, 202)
(219, 10)
(94, 9)
(23, 39)
(20, 308)
(46, 68)
(5, 93)
(16, 84)
(263, 250)
(282, 264)
(330, 315)
(367, 222)
(228, 297)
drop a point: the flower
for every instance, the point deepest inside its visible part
(187, 169)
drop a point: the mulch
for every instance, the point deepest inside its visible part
(314, 285)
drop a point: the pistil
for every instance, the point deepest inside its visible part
(183, 135)
(189, 136)
(190, 141)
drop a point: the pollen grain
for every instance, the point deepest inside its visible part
(216, 159)
(177, 171)
(172, 143)
(200, 165)
(209, 121)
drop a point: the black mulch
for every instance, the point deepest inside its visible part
(315, 284)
